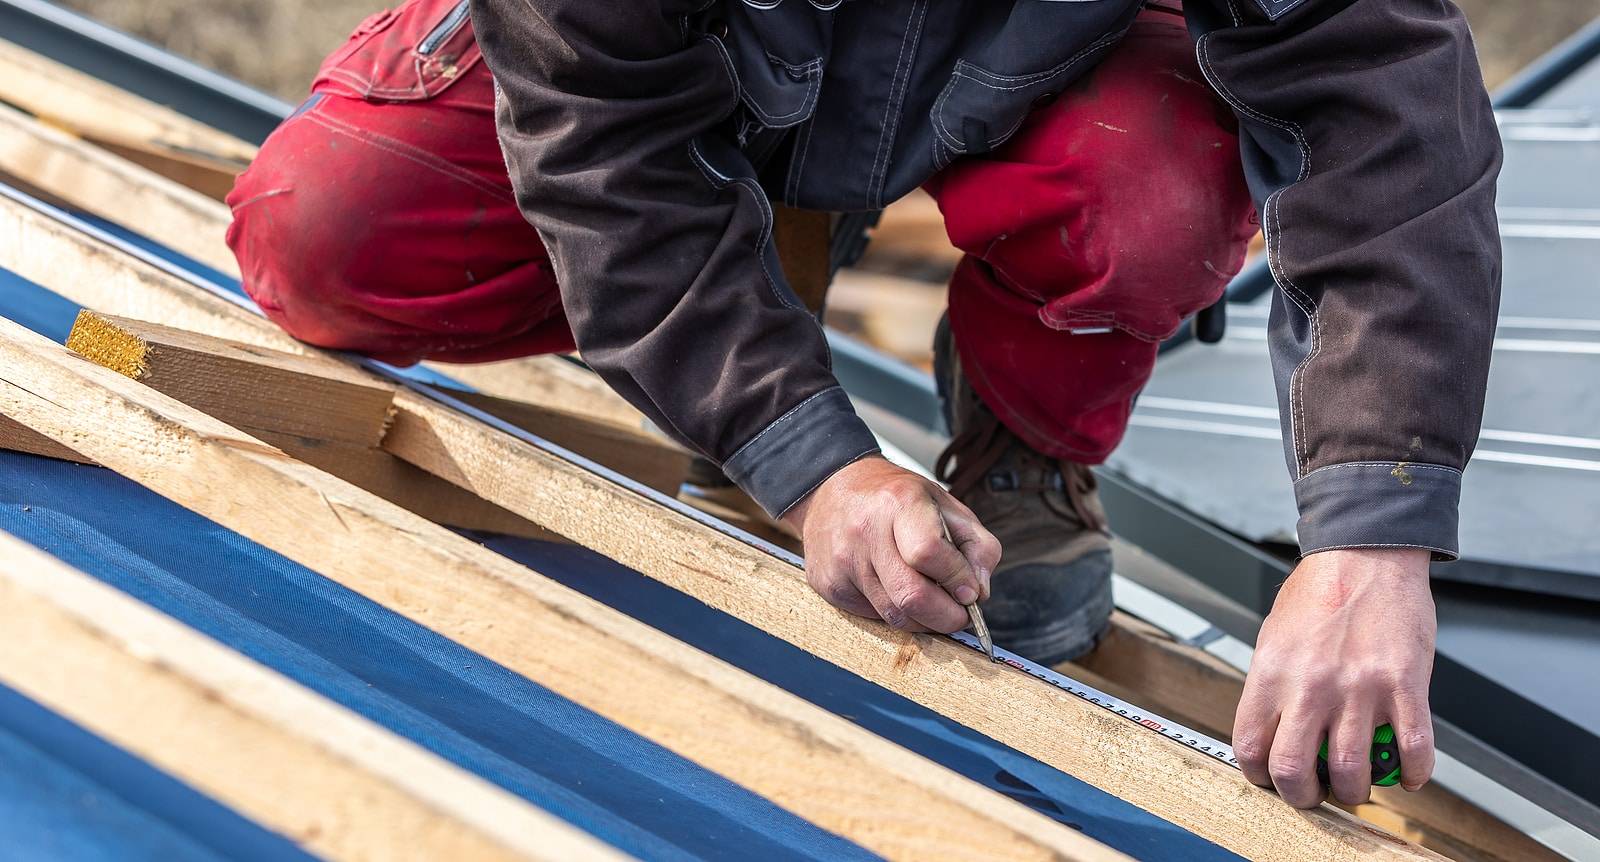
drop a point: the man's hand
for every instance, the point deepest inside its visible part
(1348, 646)
(876, 546)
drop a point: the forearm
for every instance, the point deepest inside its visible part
(609, 119)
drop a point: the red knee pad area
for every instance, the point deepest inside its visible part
(1114, 213)
(388, 227)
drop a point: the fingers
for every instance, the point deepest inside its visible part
(1413, 731)
(839, 589)
(979, 546)
(924, 545)
(1293, 761)
(1350, 757)
(1254, 725)
(925, 602)
(889, 609)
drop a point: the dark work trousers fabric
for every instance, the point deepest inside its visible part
(380, 219)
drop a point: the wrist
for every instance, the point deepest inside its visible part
(795, 517)
(1410, 563)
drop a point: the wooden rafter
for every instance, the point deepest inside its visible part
(193, 224)
(799, 756)
(289, 759)
(151, 134)
(1128, 761)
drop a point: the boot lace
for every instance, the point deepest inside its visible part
(974, 452)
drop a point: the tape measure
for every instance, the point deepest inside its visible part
(1385, 752)
(1385, 759)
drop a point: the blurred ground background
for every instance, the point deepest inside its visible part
(894, 297)
(277, 44)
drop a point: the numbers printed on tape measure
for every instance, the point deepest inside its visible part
(1171, 730)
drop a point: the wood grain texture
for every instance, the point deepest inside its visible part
(1129, 761)
(647, 458)
(94, 179)
(252, 388)
(1196, 688)
(1108, 752)
(799, 756)
(294, 762)
(1186, 684)
(330, 415)
(98, 110)
(19, 439)
(333, 416)
(189, 222)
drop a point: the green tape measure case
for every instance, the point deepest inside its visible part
(1385, 759)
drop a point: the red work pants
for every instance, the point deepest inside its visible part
(380, 219)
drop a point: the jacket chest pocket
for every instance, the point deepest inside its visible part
(410, 53)
(1030, 60)
(775, 54)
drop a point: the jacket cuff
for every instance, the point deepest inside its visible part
(789, 458)
(1390, 504)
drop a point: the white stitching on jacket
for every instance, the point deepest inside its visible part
(1386, 465)
(718, 181)
(961, 71)
(898, 86)
(1270, 221)
(788, 414)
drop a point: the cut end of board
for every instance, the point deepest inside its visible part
(109, 345)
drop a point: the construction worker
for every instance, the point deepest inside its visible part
(1101, 163)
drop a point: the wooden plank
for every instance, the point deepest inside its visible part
(647, 458)
(1128, 761)
(19, 439)
(92, 178)
(1194, 687)
(308, 408)
(1131, 762)
(210, 177)
(410, 488)
(100, 111)
(805, 244)
(282, 756)
(328, 415)
(1188, 685)
(252, 388)
(193, 224)
(799, 756)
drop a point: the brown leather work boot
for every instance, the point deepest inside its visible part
(1051, 595)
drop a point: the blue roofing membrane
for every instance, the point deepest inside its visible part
(583, 768)
(67, 794)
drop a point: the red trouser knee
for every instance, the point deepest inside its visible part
(380, 218)
(1115, 212)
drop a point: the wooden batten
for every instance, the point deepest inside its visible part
(803, 758)
(644, 457)
(18, 438)
(189, 222)
(251, 388)
(288, 759)
(184, 220)
(1128, 761)
(330, 415)
(99, 111)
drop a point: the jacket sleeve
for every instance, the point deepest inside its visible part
(612, 117)
(1372, 152)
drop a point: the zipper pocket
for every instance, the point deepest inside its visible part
(451, 25)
